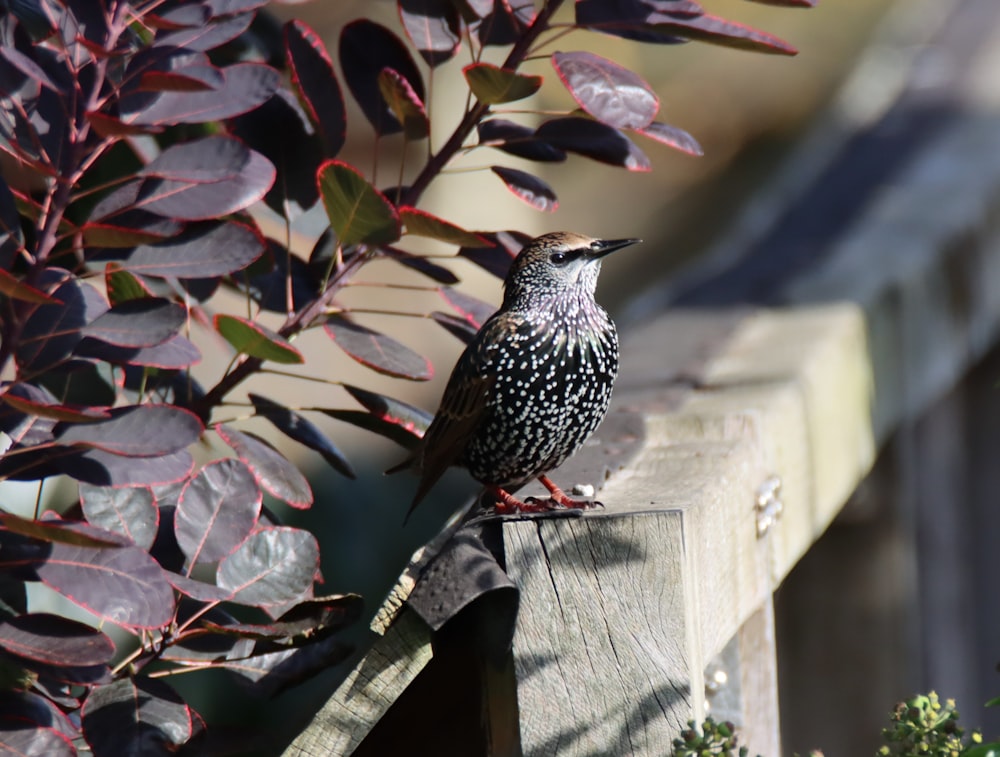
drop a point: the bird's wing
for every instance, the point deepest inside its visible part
(463, 405)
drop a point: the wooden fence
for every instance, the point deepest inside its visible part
(744, 419)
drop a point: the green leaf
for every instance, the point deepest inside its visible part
(426, 225)
(122, 285)
(357, 211)
(494, 85)
(255, 340)
(405, 104)
(18, 290)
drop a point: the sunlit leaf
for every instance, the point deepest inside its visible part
(299, 428)
(494, 85)
(610, 93)
(251, 338)
(272, 471)
(423, 224)
(528, 188)
(357, 211)
(378, 351)
(272, 567)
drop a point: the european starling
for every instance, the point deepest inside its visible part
(535, 381)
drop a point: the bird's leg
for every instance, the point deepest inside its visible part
(560, 497)
(508, 504)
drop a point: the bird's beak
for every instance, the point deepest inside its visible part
(606, 246)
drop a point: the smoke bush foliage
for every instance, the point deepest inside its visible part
(139, 136)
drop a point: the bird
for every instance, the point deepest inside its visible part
(534, 382)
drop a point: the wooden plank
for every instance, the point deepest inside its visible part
(368, 692)
(619, 608)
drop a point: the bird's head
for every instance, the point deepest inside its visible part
(557, 264)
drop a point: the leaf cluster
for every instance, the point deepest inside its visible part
(146, 136)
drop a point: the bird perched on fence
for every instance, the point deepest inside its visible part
(535, 381)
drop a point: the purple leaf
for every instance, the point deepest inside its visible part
(635, 19)
(719, 31)
(508, 21)
(672, 137)
(202, 249)
(275, 672)
(378, 351)
(95, 466)
(273, 566)
(138, 323)
(296, 157)
(398, 420)
(500, 254)
(301, 430)
(273, 472)
(518, 140)
(405, 104)
(31, 725)
(135, 715)
(365, 49)
(474, 311)
(205, 179)
(433, 27)
(528, 188)
(199, 590)
(136, 431)
(174, 354)
(610, 93)
(217, 510)
(245, 87)
(55, 640)
(52, 331)
(29, 399)
(593, 140)
(122, 585)
(61, 532)
(129, 511)
(454, 325)
(204, 37)
(357, 211)
(418, 263)
(315, 84)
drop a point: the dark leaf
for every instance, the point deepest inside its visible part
(273, 472)
(181, 81)
(269, 288)
(296, 156)
(508, 21)
(72, 675)
(136, 431)
(423, 224)
(217, 510)
(273, 673)
(11, 234)
(401, 422)
(474, 311)
(250, 338)
(273, 566)
(528, 188)
(135, 716)
(95, 466)
(199, 590)
(55, 640)
(207, 36)
(22, 423)
(82, 382)
(719, 31)
(174, 354)
(494, 85)
(498, 256)
(306, 623)
(518, 140)
(789, 3)
(635, 19)
(52, 331)
(357, 211)
(433, 27)
(205, 249)
(672, 137)
(109, 126)
(121, 584)
(594, 140)
(378, 351)
(315, 84)
(454, 325)
(365, 49)
(303, 431)
(404, 103)
(33, 727)
(138, 323)
(432, 270)
(130, 511)
(245, 87)
(206, 645)
(610, 93)
(130, 225)
(205, 179)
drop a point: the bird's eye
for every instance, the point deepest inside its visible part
(558, 258)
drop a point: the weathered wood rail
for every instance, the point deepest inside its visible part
(737, 434)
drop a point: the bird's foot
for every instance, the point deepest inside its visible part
(560, 498)
(508, 504)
